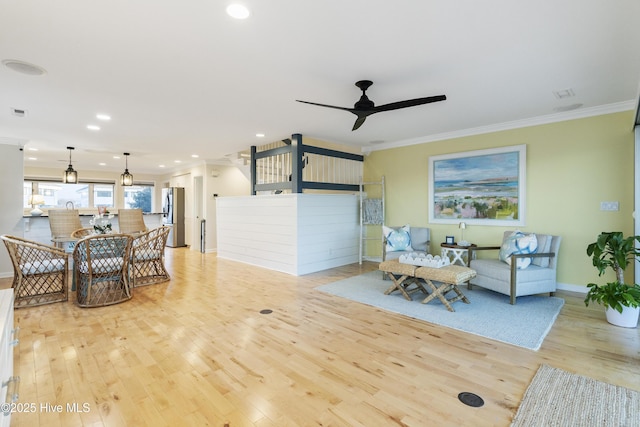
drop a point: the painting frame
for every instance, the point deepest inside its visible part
(482, 187)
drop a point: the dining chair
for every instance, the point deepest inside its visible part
(131, 221)
(148, 257)
(102, 269)
(39, 272)
(63, 222)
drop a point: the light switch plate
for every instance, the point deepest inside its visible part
(609, 206)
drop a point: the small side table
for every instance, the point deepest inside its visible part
(456, 253)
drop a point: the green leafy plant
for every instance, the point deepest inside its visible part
(614, 294)
(613, 250)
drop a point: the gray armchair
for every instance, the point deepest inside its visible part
(498, 276)
(420, 240)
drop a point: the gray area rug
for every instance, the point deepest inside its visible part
(489, 314)
(559, 398)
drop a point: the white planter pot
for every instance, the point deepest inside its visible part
(627, 319)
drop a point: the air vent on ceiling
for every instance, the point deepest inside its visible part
(18, 112)
(564, 93)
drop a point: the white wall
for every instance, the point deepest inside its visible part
(228, 181)
(11, 170)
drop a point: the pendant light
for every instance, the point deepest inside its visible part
(70, 176)
(126, 179)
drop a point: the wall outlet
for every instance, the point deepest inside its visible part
(609, 206)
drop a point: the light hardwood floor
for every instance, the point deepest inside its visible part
(196, 351)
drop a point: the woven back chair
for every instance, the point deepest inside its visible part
(39, 272)
(131, 221)
(63, 222)
(148, 257)
(101, 269)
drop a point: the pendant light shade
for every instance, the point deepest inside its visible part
(70, 176)
(126, 179)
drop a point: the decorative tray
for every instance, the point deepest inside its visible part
(424, 260)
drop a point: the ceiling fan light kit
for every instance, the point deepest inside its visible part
(365, 107)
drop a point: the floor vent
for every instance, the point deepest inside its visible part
(18, 112)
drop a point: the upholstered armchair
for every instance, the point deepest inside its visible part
(397, 241)
(39, 272)
(522, 269)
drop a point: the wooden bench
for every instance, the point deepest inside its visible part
(409, 278)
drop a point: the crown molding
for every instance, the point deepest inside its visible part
(516, 124)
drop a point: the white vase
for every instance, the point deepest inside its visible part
(627, 319)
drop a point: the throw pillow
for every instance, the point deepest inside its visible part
(398, 239)
(518, 243)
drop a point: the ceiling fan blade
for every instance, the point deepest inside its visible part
(325, 105)
(359, 121)
(365, 107)
(408, 103)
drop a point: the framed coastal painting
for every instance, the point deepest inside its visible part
(478, 187)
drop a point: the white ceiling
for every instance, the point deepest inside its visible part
(183, 78)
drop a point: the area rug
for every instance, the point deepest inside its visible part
(489, 315)
(559, 398)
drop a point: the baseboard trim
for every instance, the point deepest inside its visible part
(572, 288)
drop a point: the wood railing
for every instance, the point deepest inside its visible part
(289, 166)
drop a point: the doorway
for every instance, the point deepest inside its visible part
(198, 213)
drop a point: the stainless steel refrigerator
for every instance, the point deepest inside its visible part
(173, 215)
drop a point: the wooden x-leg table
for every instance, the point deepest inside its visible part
(402, 276)
(443, 280)
(439, 281)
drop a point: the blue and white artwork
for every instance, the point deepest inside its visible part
(485, 186)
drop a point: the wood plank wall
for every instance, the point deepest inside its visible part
(293, 233)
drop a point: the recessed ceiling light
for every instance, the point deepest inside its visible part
(177, 161)
(102, 164)
(32, 158)
(116, 157)
(93, 127)
(33, 149)
(160, 166)
(195, 156)
(103, 117)
(24, 67)
(260, 135)
(237, 11)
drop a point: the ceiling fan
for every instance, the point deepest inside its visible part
(365, 107)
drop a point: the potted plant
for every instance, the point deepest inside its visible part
(621, 301)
